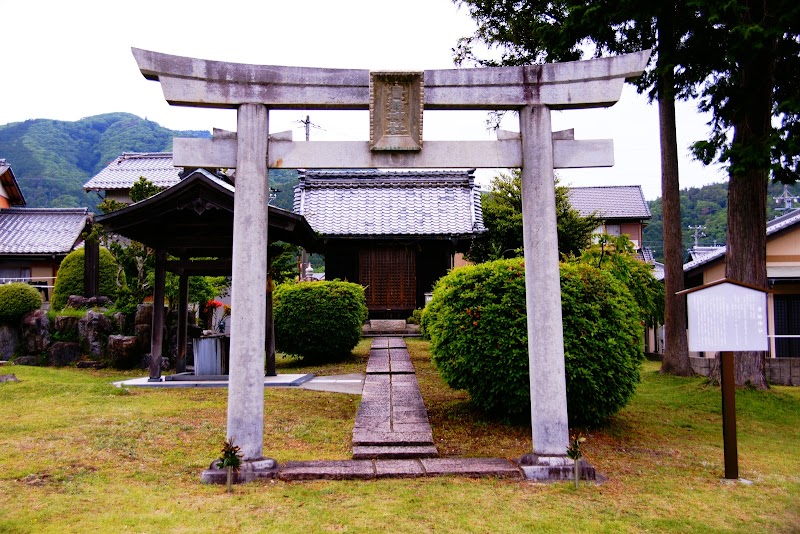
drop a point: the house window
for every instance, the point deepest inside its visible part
(787, 323)
(613, 229)
(14, 274)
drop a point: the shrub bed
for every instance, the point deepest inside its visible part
(477, 326)
(319, 320)
(17, 299)
(69, 280)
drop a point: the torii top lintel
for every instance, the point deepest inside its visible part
(218, 84)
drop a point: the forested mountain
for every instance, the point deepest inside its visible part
(53, 159)
(707, 207)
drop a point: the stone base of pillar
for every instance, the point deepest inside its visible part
(249, 471)
(554, 468)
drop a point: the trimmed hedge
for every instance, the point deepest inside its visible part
(477, 326)
(17, 299)
(69, 280)
(319, 320)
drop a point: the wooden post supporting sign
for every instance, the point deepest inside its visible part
(727, 316)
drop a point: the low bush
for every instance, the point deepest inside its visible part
(69, 280)
(319, 320)
(477, 326)
(17, 299)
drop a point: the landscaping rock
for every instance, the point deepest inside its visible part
(8, 378)
(35, 332)
(93, 331)
(142, 332)
(119, 322)
(9, 341)
(78, 302)
(63, 353)
(124, 352)
(90, 364)
(28, 360)
(144, 315)
(67, 327)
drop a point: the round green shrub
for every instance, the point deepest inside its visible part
(318, 320)
(17, 299)
(69, 280)
(477, 326)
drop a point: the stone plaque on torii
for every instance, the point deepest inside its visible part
(396, 102)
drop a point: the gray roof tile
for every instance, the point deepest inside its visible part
(397, 203)
(40, 230)
(610, 202)
(124, 171)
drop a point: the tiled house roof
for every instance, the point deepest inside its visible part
(9, 184)
(774, 226)
(361, 203)
(124, 171)
(41, 230)
(610, 202)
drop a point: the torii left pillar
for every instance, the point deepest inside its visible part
(248, 293)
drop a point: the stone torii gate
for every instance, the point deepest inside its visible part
(396, 101)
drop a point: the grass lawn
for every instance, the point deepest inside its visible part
(79, 455)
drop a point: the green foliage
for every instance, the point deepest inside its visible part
(53, 159)
(477, 326)
(201, 288)
(282, 182)
(142, 189)
(617, 255)
(109, 204)
(17, 299)
(319, 320)
(70, 277)
(502, 216)
(231, 455)
(705, 206)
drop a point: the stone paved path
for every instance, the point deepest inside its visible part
(391, 422)
(392, 436)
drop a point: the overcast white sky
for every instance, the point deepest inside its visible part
(66, 60)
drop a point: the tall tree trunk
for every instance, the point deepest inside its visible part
(747, 192)
(676, 349)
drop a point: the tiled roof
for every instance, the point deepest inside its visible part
(40, 230)
(775, 225)
(10, 185)
(389, 203)
(124, 171)
(610, 202)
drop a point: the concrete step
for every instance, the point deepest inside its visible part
(391, 439)
(363, 452)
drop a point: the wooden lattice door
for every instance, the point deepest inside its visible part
(389, 274)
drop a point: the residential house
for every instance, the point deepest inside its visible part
(783, 274)
(10, 193)
(622, 210)
(116, 179)
(394, 232)
(33, 241)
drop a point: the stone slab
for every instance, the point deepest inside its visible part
(249, 471)
(398, 469)
(327, 470)
(394, 452)
(471, 467)
(366, 437)
(411, 416)
(380, 343)
(286, 380)
(395, 342)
